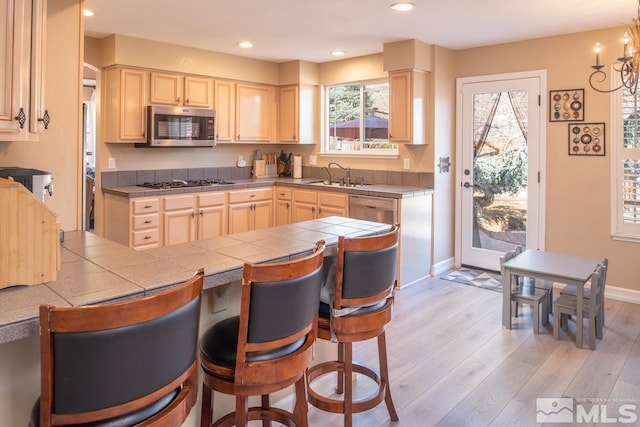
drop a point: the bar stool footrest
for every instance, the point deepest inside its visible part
(337, 405)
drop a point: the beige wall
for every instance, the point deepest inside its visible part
(578, 188)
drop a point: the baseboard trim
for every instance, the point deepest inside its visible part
(622, 294)
(440, 267)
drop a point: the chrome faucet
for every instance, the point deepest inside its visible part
(347, 182)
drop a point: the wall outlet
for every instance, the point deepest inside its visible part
(407, 164)
(313, 160)
(112, 162)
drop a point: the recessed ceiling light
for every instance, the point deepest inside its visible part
(245, 44)
(403, 6)
(87, 12)
(338, 52)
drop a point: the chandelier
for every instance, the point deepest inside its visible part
(627, 65)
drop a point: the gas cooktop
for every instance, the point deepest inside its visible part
(179, 183)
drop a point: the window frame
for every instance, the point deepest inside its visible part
(620, 229)
(369, 153)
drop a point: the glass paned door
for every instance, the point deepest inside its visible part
(499, 169)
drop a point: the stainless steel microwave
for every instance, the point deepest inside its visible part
(180, 127)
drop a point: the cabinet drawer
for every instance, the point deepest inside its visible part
(141, 222)
(244, 196)
(283, 193)
(146, 237)
(305, 196)
(211, 199)
(338, 200)
(170, 203)
(140, 206)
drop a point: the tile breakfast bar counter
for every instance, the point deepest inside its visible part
(96, 270)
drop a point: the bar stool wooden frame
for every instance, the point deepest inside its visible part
(266, 359)
(372, 312)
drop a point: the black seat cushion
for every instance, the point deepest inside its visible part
(324, 311)
(126, 420)
(219, 344)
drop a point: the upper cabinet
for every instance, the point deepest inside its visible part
(297, 114)
(125, 102)
(255, 112)
(225, 105)
(22, 45)
(408, 100)
(178, 90)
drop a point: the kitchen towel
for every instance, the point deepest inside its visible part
(297, 166)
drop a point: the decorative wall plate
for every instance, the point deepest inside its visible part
(566, 105)
(583, 140)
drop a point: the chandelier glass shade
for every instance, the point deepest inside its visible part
(627, 64)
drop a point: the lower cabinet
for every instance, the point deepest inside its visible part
(141, 215)
(311, 204)
(250, 209)
(283, 205)
(188, 217)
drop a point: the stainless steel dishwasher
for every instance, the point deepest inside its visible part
(372, 208)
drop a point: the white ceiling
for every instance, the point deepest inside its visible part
(284, 30)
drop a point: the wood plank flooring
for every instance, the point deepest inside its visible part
(453, 364)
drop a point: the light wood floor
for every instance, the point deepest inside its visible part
(453, 364)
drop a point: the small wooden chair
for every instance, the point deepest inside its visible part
(592, 309)
(526, 293)
(268, 346)
(365, 279)
(121, 364)
(571, 290)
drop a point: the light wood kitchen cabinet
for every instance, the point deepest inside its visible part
(133, 222)
(311, 204)
(212, 215)
(250, 209)
(255, 112)
(408, 100)
(124, 103)
(22, 45)
(283, 205)
(179, 90)
(297, 113)
(188, 217)
(225, 105)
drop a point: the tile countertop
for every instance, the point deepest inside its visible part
(96, 270)
(382, 190)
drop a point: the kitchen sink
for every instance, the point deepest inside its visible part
(335, 184)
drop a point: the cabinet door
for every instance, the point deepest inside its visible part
(11, 54)
(178, 226)
(39, 117)
(254, 109)
(130, 106)
(166, 89)
(198, 92)
(240, 217)
(288, 110)
(212, 222)
(283, 212)
(303, 211)
(400, 111)
(262, 214)
(224, 94)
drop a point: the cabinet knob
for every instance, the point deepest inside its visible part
(45, 119)
(201, 212)
(186, 101)
(147, 237)
(288, 205)
(193, 214)
(147, 206)
(238, 136)
(148, 221)
(178, 100)
(21, 118)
